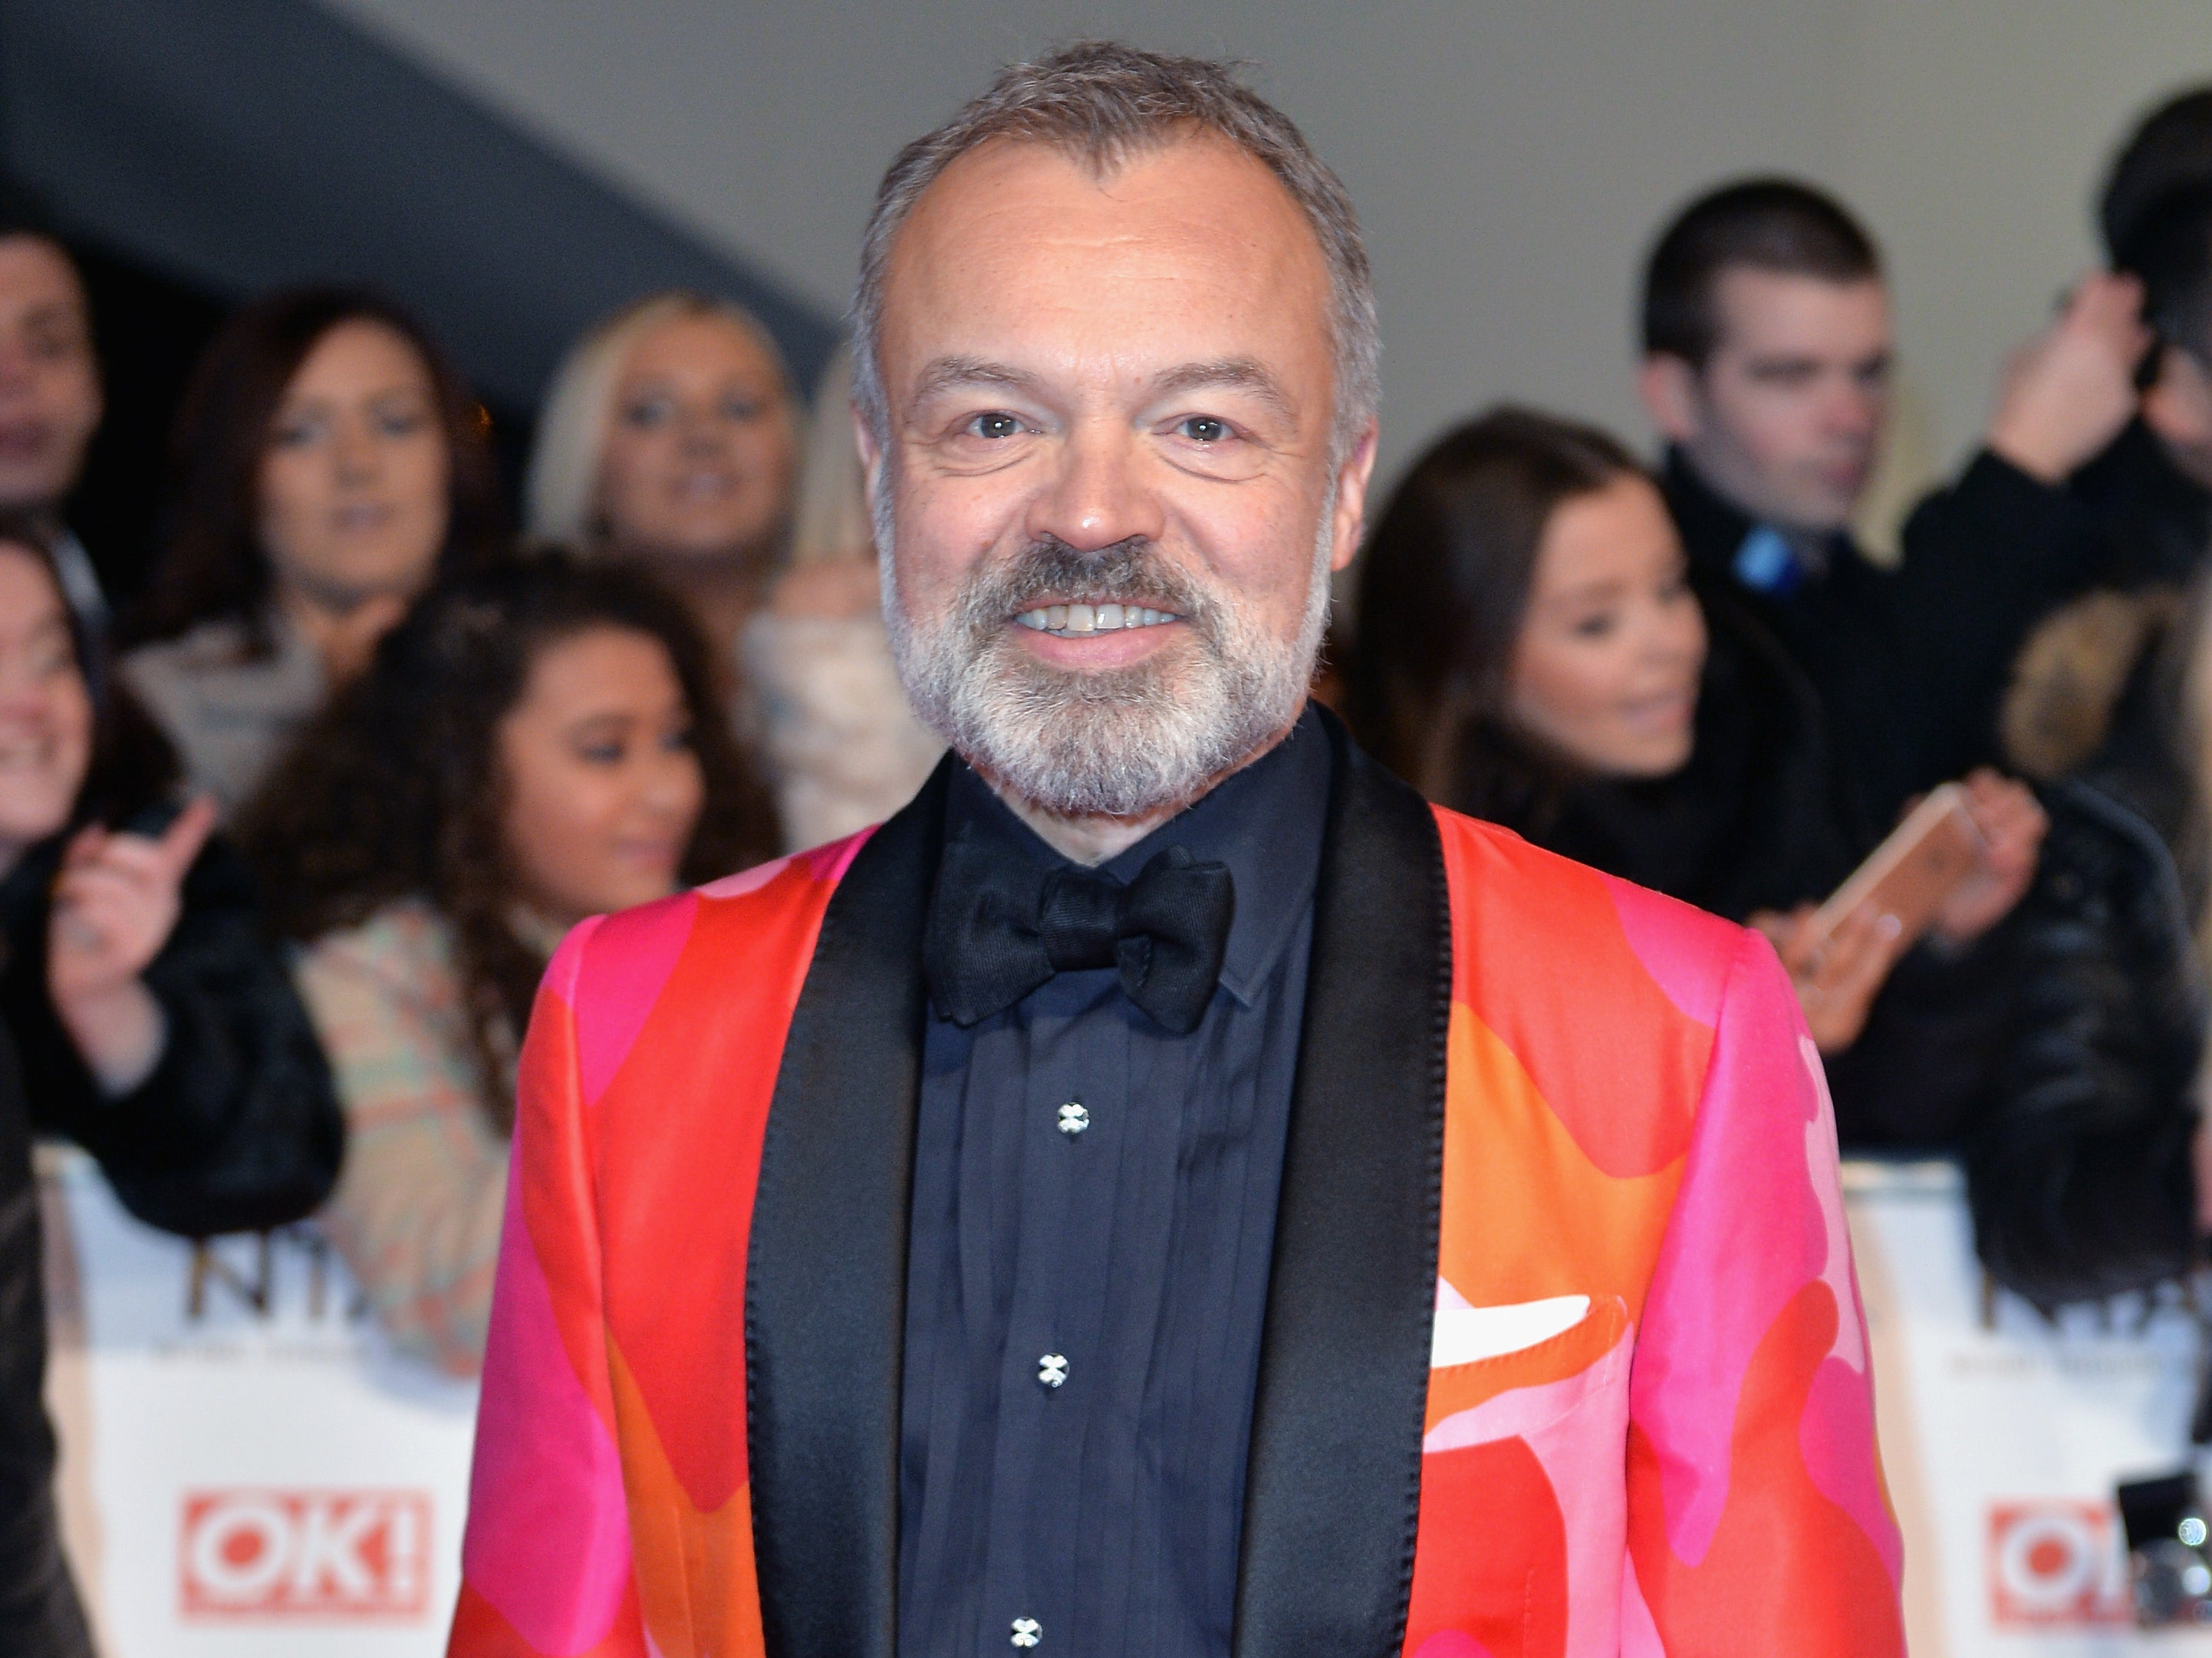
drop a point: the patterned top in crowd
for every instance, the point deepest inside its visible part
(141, 1014)
(671, 437)
(327, 465)
(532, 745)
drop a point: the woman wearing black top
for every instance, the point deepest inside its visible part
(1531, 651)
(144, 1017)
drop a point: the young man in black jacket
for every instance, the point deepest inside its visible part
(1767, 352)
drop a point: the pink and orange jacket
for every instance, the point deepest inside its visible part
(1564, 1354)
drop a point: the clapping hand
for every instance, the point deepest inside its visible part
(115, 903)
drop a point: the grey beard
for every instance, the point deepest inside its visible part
(1125, 742)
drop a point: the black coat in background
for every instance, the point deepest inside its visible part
(2080, 1173)
(1909, 664)
(236, 1129)
(2151, 526)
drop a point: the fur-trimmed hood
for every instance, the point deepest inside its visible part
(2071, 676)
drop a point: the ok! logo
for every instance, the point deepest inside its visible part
(362, 1554)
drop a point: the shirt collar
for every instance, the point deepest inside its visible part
(1264, 822)
(1723, 539)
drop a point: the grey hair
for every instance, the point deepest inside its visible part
(1105, 103)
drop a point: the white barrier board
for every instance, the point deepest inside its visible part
(2002, 1436)
(249, 1470)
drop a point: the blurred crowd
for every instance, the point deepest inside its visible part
(287, 837)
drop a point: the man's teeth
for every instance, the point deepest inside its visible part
(1073, 621)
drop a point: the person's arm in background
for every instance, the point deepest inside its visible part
(417, 1211)
(170, 1044)
(1757, 1522)
(2080, 1174)
(1985, 557)
(546, 1563)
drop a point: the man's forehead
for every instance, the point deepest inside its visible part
(1768, 311)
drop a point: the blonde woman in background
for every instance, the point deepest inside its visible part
(845, 748)
(669, 437)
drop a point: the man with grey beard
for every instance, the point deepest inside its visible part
(1169, 1191)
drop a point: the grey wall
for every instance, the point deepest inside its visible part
(1510, 159)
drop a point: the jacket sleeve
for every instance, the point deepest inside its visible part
(237, 1129)
(546, 1560)
(1984, 560)
(2080, 1174)
(1757, 1519)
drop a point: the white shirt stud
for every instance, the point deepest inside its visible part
(1052, 1369)
(1027, 1631)
(1073, 1119)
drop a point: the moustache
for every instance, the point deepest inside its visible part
(1049, 571)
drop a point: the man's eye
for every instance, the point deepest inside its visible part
(1204, 428)
(1594, 627)
(994, 426)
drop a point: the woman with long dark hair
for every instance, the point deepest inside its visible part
(141, 1014)
(532, 745)
(1531, 651)
(327, 465)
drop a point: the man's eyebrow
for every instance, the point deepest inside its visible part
(949, 374)
(1228, 374)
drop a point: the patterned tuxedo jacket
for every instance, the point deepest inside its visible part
(1563, 1352)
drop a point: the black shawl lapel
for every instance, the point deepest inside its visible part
(1332, 1493)
(825, 1291)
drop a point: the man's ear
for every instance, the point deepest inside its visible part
(872, 456)
(1351, 479)
(1669, 385)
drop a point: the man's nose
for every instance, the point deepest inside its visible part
(1855, 411)
(1097, 497)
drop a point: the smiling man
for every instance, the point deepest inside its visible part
(1169, 1191)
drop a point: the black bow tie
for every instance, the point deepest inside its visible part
(999, 927)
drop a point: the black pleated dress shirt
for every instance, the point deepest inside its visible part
(1094, 1211)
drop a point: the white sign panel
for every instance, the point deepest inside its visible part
(249, 1470)
(2003, 1434)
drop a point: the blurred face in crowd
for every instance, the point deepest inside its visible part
(45, 709)
(603, 786)
(1785, 417)
(50, 400)
(353, 483)
(1606, 669)
(1109, 483)
(702, 446)
(2177, 408)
